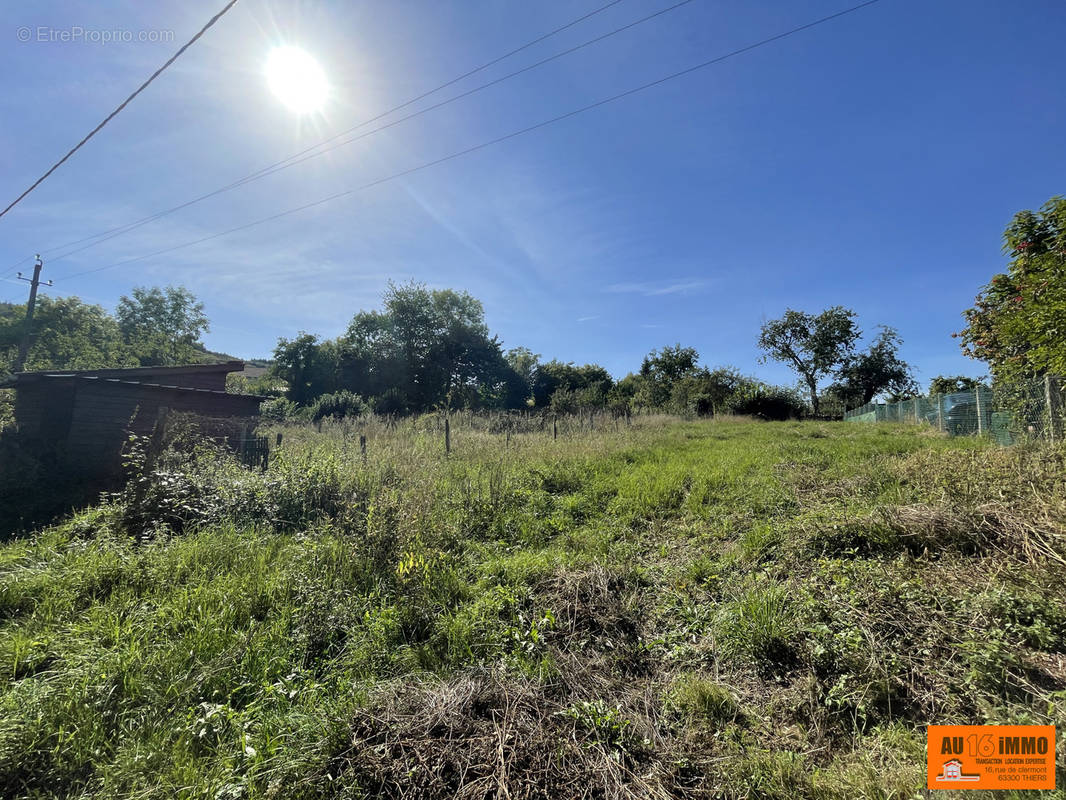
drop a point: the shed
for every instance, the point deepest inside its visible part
(85, 416)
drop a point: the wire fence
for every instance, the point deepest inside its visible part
(1008, 414)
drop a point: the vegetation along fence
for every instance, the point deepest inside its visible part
(1028, 410)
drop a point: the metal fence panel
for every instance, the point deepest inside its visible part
(1007, 414)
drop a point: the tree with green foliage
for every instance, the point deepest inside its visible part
(1018, 322)
(943, 384)
(712, 389)
(69, 334)
(163, 326)
(307, 366)
(427, 348)
(555, 375)
(879, 370)
(662, 369)
(621, 397)
(524, 362)
(814, 345)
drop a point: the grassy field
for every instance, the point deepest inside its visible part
(674, 609)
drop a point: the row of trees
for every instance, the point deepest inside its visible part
(150, 327)
(428, 349)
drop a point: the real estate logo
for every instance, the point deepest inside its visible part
(990, 757)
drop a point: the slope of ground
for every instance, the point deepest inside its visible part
(713, 609)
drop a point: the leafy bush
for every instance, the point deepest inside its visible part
(168, 490)
(278, 409)
(766, 402)
(338, 405)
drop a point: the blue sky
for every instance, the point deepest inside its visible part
(871, 162)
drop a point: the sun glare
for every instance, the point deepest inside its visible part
(296, 79)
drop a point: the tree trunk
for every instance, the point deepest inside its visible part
(814, 395)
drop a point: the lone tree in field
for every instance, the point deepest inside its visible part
(813, 345)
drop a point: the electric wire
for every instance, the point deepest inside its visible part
(122, 105)
(490, 142)
(240, 181)
(307, 154)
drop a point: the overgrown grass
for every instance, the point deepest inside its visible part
(715, 609)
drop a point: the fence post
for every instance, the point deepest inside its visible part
(1052, 410)
(940, 412)
(362, 445)
(980, 411)
(278, 442)
(555, 428)
(447, 436)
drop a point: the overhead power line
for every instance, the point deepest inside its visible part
(122, 105)
(308, 153)
(490, 142)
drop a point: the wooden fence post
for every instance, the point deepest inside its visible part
(278, 442)
(555, 428)
(1052, 410)
(447, 436)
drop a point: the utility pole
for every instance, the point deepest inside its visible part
(27, 324)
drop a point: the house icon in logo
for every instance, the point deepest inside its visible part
(953, 772)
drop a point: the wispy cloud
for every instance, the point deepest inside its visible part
(656, 288)
(586, 319)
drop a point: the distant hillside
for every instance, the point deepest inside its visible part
(253, 367)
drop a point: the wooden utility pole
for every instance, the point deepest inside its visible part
(27, 323)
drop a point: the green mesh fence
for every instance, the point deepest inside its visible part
(1008, 414)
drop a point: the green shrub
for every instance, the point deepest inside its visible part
(338, 405)
(766, 402)
(278, 409)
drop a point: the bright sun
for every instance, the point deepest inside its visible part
(296, 79)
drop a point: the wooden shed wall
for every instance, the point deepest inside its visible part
(104, 412)
(43, 409)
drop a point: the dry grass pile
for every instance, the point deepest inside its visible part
(485, 736)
